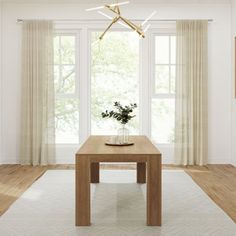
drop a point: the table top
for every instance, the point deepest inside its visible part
(95, 145)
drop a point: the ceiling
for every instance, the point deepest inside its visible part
(132, 1)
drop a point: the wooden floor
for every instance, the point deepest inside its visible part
(14, 180)
(218, 182)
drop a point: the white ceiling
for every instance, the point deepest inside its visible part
(132, 1)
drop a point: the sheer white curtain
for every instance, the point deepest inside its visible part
(37, 112)
(191, 93)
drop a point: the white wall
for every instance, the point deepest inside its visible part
(233, 84)
(219, 64)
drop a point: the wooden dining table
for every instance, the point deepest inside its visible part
(94, 151)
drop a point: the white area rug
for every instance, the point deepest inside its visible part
(118, 208)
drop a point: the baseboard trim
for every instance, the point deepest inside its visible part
(60, 160)
(219, 161)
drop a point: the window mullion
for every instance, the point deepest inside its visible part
(66, 100)
(162, 105)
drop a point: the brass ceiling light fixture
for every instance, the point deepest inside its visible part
(115, 9)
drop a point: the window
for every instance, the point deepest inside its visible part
(114, 77)
(114, 68)
(66, 89)
(163, 86)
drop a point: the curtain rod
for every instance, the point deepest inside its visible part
(100, 20)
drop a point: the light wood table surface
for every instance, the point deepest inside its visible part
(143, 152)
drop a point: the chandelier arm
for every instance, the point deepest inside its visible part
(128, 22)
(111, 9)
(114, 8)
(133, 26)
(118, 10)
(113, 22)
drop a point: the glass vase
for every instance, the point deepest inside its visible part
(123, 135)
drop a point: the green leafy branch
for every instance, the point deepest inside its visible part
(123, 114)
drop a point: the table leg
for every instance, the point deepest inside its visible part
(82, 191)
(94, 171)
(154, 190)
(141, 172)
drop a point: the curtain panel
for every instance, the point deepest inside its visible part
(191, 122)
(37, 103)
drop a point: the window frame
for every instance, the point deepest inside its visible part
(83, 29)
(115, 29)
(169, 33)
(170, 30)
(76, 94)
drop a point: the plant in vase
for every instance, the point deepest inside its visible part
(123, 116)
